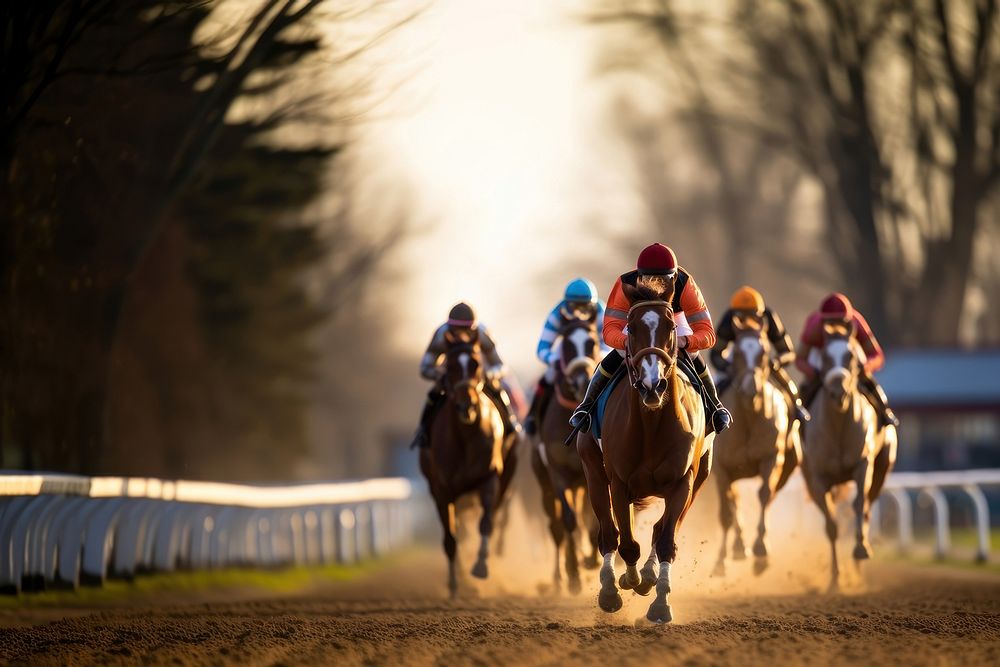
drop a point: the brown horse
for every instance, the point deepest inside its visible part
(558, 468)
(844, 444)
(653, 445)
(467, 452)
(761, 442)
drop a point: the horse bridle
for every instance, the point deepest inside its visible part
(581, 361)
(477, 385)
(652, 350)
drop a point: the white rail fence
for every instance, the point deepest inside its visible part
(61, 531)
(902, 487)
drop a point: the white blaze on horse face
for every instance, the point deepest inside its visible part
(838, 350)
(464, 360)
(750, 347)
(579, 339)
(650, 366)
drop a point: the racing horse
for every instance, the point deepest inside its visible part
(653, 445)
(843, 442)
(558, 468)
(763, 442)
(467, 452)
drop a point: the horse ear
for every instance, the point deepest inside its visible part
(449, 337)
(631, 293)
(668, 293)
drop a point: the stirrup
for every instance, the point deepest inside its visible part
(581, 420)
(801, 413)
(530, 426)
(721, 419)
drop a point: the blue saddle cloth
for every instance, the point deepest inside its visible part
(684, 365)
(602, 402)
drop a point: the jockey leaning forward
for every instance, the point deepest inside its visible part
(461, 319)
(656, 263)
(837, 309)
(579, 302)
(747, 308)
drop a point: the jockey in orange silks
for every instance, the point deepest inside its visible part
(837, 308)
(463, 318)
(657, 262)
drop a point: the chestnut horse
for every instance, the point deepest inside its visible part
(653, 445)
(762, 442)
(558, 468)
(843, 443)
(467, 452)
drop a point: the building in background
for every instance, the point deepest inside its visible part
(948, 402)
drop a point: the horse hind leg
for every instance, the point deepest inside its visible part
(550, 505)
(648, 571)
(570, 555)
(488, 498)
(824, 499)
(769, 478)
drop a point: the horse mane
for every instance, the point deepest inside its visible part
(643, 291)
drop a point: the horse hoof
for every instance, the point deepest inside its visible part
(759, 549)
(609, 601)
(659, 612)
(627, 583)
(862, 552)
(719, 570)
(574, 586)
(739, 551)
(480, 570)
(759, 565)
(833, 588)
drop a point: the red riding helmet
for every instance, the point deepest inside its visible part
(656, 260)
(836, 307)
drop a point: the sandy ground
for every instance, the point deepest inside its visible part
(399, 615)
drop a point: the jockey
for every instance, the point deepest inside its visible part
(748, 304)
(837, 308)
(579, 302)
(463, 318)
(656, 260)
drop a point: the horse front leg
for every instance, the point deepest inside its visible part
(823, 497)
(446, 513)
(599, 490)
(862, 509)
(488, 497)
(727, 511)
(770, 471)
(666, 546)
(550, 504)
(628, 548)
(570, 526)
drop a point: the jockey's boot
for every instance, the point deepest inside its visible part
(799, 411)
(539, 403)
(581, 418)
(873, 390)
(511, 424)
(422, 437)
(720, 417)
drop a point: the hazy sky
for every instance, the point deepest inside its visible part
(497, 134)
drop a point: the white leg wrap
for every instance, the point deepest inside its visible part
(663, 582)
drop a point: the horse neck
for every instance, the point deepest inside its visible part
(651, 420)
(835, 420)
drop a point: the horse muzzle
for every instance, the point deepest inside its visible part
(836, 381)
(652, 397)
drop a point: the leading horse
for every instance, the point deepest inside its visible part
(844, 444)
(653, 445)
(467, 452)
(763, 441)
(558, 468)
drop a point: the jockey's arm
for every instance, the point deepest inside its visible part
(724, 338)
(781, 341)
(550, 332)
(615, 318)
(493, 364)
(698, 317)
(430, 364)
(601, 309)
(873, 351)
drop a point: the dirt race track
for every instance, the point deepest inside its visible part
(903, 615)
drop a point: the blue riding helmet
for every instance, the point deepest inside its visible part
(581, 290)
